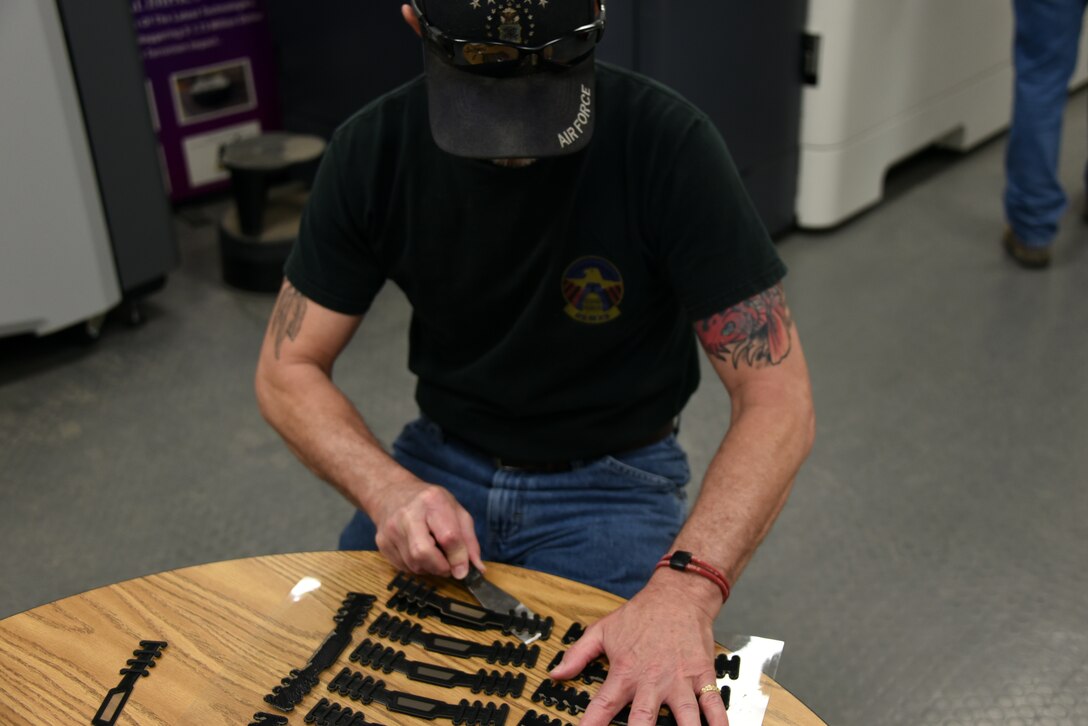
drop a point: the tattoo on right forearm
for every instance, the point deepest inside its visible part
(287, 316)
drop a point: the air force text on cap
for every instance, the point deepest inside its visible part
(574, 131)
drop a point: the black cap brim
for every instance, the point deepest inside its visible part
(522, 117)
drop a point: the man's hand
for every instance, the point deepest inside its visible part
(423, 529)
(660, 649)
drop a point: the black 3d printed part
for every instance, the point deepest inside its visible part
(135, 669)
(727, 665)
(532, 718)
(387, 660)
(268, 719)
(327, 713)
(298, 683)
(555, 695)
(407, 632)
(366, 689)
(574, 632)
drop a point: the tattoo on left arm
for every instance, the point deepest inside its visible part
(287, 317)
(755, 332)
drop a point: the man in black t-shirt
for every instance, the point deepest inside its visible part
(561, 228)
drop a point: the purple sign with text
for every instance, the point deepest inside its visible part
(210, 80)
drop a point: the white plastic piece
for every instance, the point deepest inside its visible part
(894, 78)
(56, 261)
(748, 699)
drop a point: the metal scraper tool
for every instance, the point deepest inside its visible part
(492, 598)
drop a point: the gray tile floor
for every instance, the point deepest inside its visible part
(930, 566)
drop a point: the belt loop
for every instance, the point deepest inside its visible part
(438, 431)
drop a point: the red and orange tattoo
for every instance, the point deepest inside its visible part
(755, 332)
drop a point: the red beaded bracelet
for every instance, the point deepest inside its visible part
(686, 562)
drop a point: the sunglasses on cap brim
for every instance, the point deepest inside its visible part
(497, 55)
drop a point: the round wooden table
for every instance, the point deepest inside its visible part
(235, 628)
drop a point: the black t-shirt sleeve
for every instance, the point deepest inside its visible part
(332, 262)
(716, 249)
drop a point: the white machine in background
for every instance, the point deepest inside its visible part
(888, 78)
(56, 266)
(84, 220)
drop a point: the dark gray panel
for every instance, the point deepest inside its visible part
(334, 57)
(740, 62)
(110, 76)
(620, 37)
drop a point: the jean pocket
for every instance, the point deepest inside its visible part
(661, 466)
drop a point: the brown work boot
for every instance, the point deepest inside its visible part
(1033, 258)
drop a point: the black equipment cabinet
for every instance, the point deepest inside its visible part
(741, 63)
(109, 74)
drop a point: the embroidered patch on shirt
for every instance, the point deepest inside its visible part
(593, 289)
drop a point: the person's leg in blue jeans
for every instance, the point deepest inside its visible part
(605, 523)
(1045, 53)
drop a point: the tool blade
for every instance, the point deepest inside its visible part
(498, 600)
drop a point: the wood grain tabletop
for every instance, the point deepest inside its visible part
(234, 629)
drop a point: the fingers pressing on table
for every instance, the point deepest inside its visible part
(711, 702)
(646, 700)
(660, 652)
(575, 659)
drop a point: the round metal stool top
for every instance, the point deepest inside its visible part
(271, 151)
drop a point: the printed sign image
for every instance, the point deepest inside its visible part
(202, 152)
(213, 91)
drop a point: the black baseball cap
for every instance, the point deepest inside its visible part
(511, 78)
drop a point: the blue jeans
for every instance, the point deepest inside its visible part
(606, 523)
(1045, 53)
